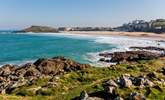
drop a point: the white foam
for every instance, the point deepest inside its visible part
(123, 43)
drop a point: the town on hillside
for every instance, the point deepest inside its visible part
(157, 26)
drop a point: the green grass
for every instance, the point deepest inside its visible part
(71, 84)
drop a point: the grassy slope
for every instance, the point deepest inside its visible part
(70, 85)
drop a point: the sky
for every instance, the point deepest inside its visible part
(17, 14)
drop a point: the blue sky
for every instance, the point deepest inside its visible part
(16, 14)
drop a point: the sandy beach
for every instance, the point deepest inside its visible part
(130, 34)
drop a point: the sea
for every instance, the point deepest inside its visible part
(20, 48)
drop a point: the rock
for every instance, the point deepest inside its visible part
(102, 59)
(158, 88)
(118, 98)
(142, 81)
(15, 84)
(32, 72)
(51, 84)
(83, 95)
(58, 65)
(12, 77)
(148, 91)
(136, 96)
(93, 98)
(40, 29)
(110, 91)
(111, 83)
(133, 56)
(152, 75)
(7, 70)
(163, 70)
(149, 48)
(27, 70)
(35, 89)
(106, 54)
(125, 82)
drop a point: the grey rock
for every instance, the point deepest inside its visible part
(110, 90)
(111, 83)
(136, 96)
(118, 98)
(125, 82)
(83, 95)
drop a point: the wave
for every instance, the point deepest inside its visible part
(122, 43)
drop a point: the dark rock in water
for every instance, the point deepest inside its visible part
(38, 29)
(133, 56)
(149, 48)
(102, 59)
(136, 96)
(106, 54)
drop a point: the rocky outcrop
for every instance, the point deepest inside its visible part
(149, 48)
(132, 56)
(40, 29)
(12, 77)
(136, 53)
(58, 65)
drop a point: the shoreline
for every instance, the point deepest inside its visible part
(104, 37)
(152, 36)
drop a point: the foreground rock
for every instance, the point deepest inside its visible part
(12, 77)
(111, 88)
(41, 29)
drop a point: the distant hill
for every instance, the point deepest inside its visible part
(38, 29)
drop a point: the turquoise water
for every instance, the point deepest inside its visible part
(19, 48)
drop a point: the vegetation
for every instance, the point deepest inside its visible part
(71, 84)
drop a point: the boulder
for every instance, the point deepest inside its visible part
(163, 70)
(27, 70)
(58, 65)
(118, 98)
(152, 75)
(125, 81)
(136, 96)
(7, 70)
(142, 81)
(83, 95)
(111, 83)
(110, 91)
